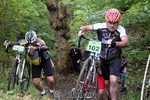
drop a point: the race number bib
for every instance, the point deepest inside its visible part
(94, 46)
(18, 48)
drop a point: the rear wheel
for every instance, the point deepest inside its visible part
(25, 76)
(12, 76)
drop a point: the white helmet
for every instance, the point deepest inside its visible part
(30, 36)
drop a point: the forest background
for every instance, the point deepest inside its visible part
(57, 23)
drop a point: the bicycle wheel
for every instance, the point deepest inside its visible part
(25, 76)
(90, 83)
(79, 88)
(12, 76)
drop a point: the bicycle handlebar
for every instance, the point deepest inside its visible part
(90, 39)
(7, 45)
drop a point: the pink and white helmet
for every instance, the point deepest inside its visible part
(113, 15)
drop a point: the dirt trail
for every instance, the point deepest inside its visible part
(64, 86)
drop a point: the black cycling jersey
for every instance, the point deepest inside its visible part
(103, 35)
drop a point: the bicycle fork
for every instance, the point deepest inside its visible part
(18, 67)
(91, 75)
(21, 72)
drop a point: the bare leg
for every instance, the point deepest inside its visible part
(114, 87)
(100, 94)
(51, 82)
(107, 88)
(37, 84)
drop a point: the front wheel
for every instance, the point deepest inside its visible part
(12, 76)
(79, 92)
(25, 76)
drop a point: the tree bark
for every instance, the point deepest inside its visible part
(59, 18)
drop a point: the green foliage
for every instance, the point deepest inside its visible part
(137, 16)
(23, 16)
(17, 17)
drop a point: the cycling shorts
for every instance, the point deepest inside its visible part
(101, 82)
(110, 67)
(45, 65)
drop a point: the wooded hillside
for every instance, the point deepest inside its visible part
(19, 16)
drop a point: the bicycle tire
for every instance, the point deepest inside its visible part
(91, 86)
(25, 77)
(12, 76)
(79, 92)
(86, 86)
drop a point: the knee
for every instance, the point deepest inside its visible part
(100, 92)
(113, 84)
(50, 79)
(36, 81)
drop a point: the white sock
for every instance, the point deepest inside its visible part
(51, 91)
(43, 92)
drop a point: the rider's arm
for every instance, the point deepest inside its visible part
(10, 44)
(52, 63)
(39, 48)
(84, 28)
(92, 27)
(13, 43)
(41, 45)
(124, 38)
(123, 43)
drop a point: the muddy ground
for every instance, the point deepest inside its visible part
(64, 86)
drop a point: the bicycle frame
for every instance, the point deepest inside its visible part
(20, 68)
(92, 67)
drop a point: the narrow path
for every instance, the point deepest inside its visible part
(64, 86)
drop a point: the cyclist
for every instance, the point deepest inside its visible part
(115, 35)
(40, 59)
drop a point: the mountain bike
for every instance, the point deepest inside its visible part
(20, 71)
(86, 86)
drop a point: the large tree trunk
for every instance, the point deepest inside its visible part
(59, 18)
